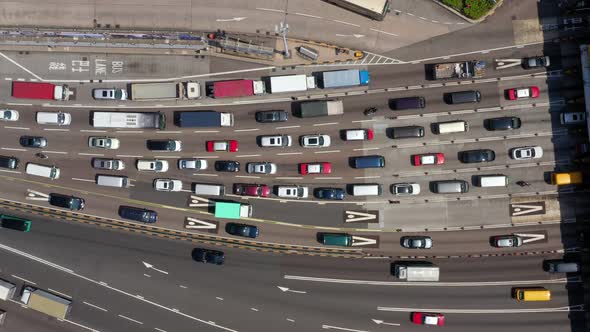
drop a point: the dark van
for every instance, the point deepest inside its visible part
(65, 201)
(138, 214)
(336, 239)
(407, 103)
(406, 132)
(368, 162)
(8, 162)
(463, 97)
(560, 266)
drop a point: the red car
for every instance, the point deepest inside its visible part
(523, 93)
(230, 145)
(248, 189)
(315, 168)
(428, 159)
(428, 318)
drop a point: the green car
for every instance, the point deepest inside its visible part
(16, 223)
(337, 239)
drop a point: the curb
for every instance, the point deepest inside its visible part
(472, 21)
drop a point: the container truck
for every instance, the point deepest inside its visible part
(135, 120)
(45, 302)
(235, 88)
(232, 210)
(415, 272)
(165, 90)
(291, 83)
(343, 78)
(7, 290)
(34, 90)
(464, 69)
(321, 108)
(203, 119)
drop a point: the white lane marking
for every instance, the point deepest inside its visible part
(253, 309)
(234, 19)
(487, 311)
(14, 149)
(330, 151)
(370, 120)
(85, 180)
(325, 124)
(329, 178)
(411, 14)
(56, 129)
(94, 306)
(60, 293)
(129, 131)
(307, 15)
(476, 52)
(291, 320)
(201, 174)
(288, 178)
(385, 32)
(80, 325)
(151, 266)
(365, 149)
(128, 156)
(55, 152)
(23, 279)
(431, 284)
(286, 289)
(147, 275)
(131, 319)
(271, 10)
(219, 298)
(9, 171)
(367, 177)
(169, 132)
(205, 131)
(288, 127)
(183, 286)
(166, 157)
(248, 155)
(157, 329)
(330, 327)
(20, 66)
(248, 176)
(91, 154)
(242, 130)
(92, 131)
(18, 128)
(342, 22)
(288, 153)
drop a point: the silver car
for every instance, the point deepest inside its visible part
(192, 163)
(416, 242)
(405, 189)
(110, 164)
(275, 141)
(261, 168)
(315, 141)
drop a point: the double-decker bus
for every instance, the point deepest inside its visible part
(375, 9)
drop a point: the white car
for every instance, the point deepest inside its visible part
(103, 142)
(526, 152)
(167, 185)
(54, 118)
(261, 168)
(154, 165)
(292, 191)
(8, 115)
(315, 141)
(275, 141)
(405, 189)
(110, 94)
(192, 163)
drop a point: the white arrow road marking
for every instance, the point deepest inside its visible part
(352, 216)
(230, 19)
(579, 307)
(379, 322)
(150, 266)
(199, 224)
(36, 196)
(329, 327)
(531, 237)
(520, 209)
(362, 241)
(286, 289)
(197, 201)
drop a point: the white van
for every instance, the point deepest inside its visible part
(112, 181)
(358, 134)
(450, 127)
(493, 180)
(51, 172)
(372, 189)
(54, 118)
(209, 189)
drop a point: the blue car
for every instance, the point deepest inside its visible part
(208, 256)
(329, 193)
(241, 230)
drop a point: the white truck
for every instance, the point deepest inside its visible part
(291, 83)
(416, 272)
(45, 302)
(7, 290)
(165, 90)
(135, 120)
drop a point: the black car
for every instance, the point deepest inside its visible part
(227, 166)
(271, 116)
(329, 193)
(241, 230)
(138, 214)
(208, 256)
(503, 123)
(163, 145)
(477, 156)
(33, 141)
(65, 201)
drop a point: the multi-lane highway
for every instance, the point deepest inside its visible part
(124, 275)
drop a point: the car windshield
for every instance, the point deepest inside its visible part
(118, 94)
(157, 166)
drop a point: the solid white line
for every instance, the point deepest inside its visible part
(486, 311)
(287, 127)
(288, 153)
(20, 128)
(355, 25)
(53, 290)
(91, 154)
(271, 10)
(201, 174)
(330, 327)
(365, 149)
(325, 124)
(331, 151)
(253, 309)
(169, 132)
(85, 180)
(307, 15)
(128, 156)
(56, 129)
(23, 279)
(92, 131)
(385, 32)
(94, 306)
(157, 329)
(129, 131)
(8, 171)
(14, 149)
(248, 155)
(131, 319)
(248, 176)
(20, 66)
(242, 130)
(205, 131)
(55, 152)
